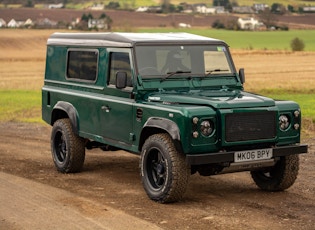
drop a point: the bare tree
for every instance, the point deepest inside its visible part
(268, 18)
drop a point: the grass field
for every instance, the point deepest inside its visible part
(277, 73)
(20, 105)
(250, 40)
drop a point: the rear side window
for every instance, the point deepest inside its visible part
(82, 65)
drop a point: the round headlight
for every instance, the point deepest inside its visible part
(284, 122)
(206, 128)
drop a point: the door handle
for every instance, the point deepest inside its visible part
(106, 108)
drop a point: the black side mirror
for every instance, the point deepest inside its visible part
(241, 74)
(121, 80)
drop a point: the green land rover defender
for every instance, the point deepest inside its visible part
(175, 99)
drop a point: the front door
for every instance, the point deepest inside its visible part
(117, 108)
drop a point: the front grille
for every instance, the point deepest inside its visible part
(250, 126)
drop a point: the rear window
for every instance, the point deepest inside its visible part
(82, 65)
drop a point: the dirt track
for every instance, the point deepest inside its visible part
(230, 201)
(27, 204)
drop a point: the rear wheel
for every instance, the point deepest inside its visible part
(279, 177)
(164, 171)
(68, 149)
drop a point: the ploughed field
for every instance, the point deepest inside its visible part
(131, 20)
(230, 201)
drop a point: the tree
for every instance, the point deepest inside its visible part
(86, 17)
(168, 8)
(232, 25)
(108, 20)
(291, 8)
(65, 2)
(165, 5)
(278, 8)
(225, 3)
(103, 15)
(301, 10)
(29, 3)
(113, 5)
(217, 24)
(297, 44)
(268, 18)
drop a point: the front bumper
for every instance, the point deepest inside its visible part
(222, 157)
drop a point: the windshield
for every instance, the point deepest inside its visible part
(202, 60)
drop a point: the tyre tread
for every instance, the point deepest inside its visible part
(76, 148)
(286, 171)
(180, 170)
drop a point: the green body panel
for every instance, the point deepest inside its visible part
(125, 117)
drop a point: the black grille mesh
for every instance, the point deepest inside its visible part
(250, 126)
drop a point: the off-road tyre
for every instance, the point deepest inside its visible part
(279, 177)
(67, 148)
(164, 171)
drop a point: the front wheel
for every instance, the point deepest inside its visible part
(279, 177)
(164, 171)
(68, 149)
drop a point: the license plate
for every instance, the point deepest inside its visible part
(253, 155)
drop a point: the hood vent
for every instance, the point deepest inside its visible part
(139, 114)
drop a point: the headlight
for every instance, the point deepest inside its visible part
(206, 128)
(284, 122)
(296, 113)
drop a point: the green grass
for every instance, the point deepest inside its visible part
(270, 2)
(306, 102)
(257, 40)
(20, 105)
(124, 4)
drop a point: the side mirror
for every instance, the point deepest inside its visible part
(121, 80)
(241, 74)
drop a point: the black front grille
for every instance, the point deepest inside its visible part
(250, 126)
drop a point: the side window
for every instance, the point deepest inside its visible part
(82, 65)
(119, 62)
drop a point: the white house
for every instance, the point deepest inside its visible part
(249, 24)
(260, 7)
(243, 9)
(2, 23)
(203, 9)
(97, 7)
(45, 23)
(55, 6)
(184, 25)
(220, 10)
(12, 23)
(142, 9)
(97, 23)
(309, 9)
(28, 23)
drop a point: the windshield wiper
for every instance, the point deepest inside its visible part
(173, 73)
(209, 72)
